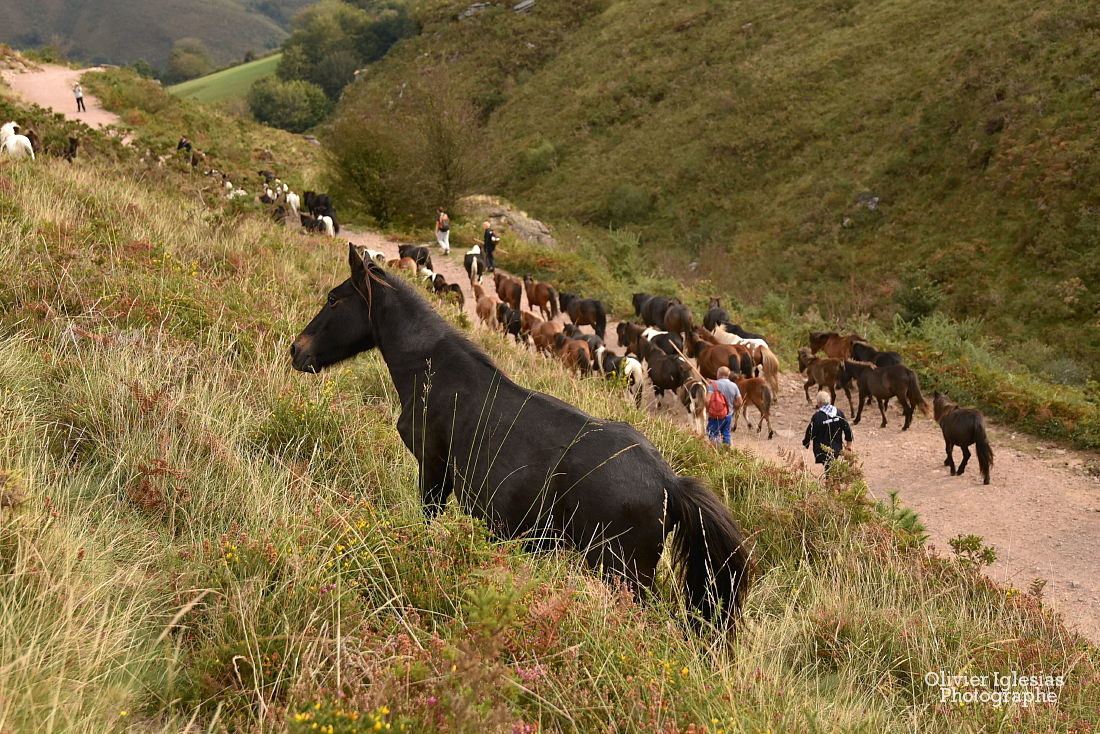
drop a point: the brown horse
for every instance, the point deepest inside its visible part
(528, 322)
(825, 373)
(894, 381)
(755, 390)
(486, 306)
(543, 336)
(710, 355)
(542, 296)
(509, 290)
(678, 320)
(584, 312)
(574, 353)
(833, 344)
(962, 427)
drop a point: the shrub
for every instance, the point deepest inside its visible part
(294, 106)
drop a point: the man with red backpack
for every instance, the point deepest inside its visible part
(723, 399)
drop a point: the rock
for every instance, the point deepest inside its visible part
(524, 6)
(1074, 585)
(868, 200)
(311, 139)
(473, 10)
(503, 215)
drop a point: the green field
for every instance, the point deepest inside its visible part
(231, 83)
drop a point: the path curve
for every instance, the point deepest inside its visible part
(51, 86)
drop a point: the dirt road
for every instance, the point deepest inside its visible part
(51, 86)
(1041, 511)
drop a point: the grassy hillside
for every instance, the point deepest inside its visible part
(227, 84)
(122, 31)
(856, 157)
(194, 535)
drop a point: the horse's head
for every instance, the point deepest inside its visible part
(342, 328)
(8, 129)
(940, 405)
(805, 358)
(715, 302)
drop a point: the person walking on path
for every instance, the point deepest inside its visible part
(443, 231)
(723, 400)
(825, 431)
(488, 245)
(78, 91)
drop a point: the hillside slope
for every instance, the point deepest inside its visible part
(122, 31)
(859, 156)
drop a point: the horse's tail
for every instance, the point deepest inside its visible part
(983, 449)
(914, 395)
(708, 551)
(745, 360)
(553, 295)
(584, 364)
(769, 397)
(771, 368)
(601, 320)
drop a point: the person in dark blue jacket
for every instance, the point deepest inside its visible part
(488, 245)
(825, 431)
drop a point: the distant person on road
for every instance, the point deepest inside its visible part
(78, 91)
(723, 400)
(443, 231)
(488, 245)
(825, 431)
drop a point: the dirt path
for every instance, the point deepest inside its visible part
(1041, 511)
(51, 87)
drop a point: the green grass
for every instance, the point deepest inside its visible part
(231, 83)
(194, 536)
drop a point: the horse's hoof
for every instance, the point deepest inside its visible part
(985, 481)
(770, 434)
(952, 472)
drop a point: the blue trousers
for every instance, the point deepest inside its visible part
(716, 426)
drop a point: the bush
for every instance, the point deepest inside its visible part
(626, 204)
(295, 106)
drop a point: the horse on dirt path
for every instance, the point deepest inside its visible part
(584, 312)
(962, 427)
(509, 289)
(715, 314)
(541, 295)
(826, 374)
(710, 355)
(755, 390)
(833, 344)
(895, 381)
(597, 486)
(651, 308)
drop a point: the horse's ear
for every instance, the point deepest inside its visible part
(358, 268)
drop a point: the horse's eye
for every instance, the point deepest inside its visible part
(332, 300)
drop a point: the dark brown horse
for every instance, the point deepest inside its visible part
(709, 355)
(833, 344)
(962, 427)
(894, 381)
(666, 372)
(584, 312)
(678, 320)
(509, 290)
(652, 308)
(715, 314)
(597, 486)
(825, 373)
(542, 296)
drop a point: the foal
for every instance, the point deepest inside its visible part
(962, 427)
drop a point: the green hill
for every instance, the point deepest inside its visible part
(123, 31)
(194, 536)
(851, 157)
(231, 83)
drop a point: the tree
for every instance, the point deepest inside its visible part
(295, 105)
(189, 59)
(399, 158)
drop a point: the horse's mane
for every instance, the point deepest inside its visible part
(429, 321)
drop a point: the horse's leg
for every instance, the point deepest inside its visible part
(806, 387)
(966, 457)
(436, 485)
(949, 461)
(882, 409)
(907, 409)
(848, 392)
(859, 412)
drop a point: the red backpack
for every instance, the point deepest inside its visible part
(717, 405)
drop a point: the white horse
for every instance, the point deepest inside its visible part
(326, 222)
(15, 145)
(294, 202)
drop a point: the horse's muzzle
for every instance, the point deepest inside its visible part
(300, 355)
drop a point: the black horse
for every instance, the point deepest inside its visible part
(573, 332)
(962, 427)
(584, 312)
(652, 308)
(319, 205)
(736, 329)
(597, 486)
(715, 314)
(666, 372)
(864, 352)
(509, 321)
(422, 255)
